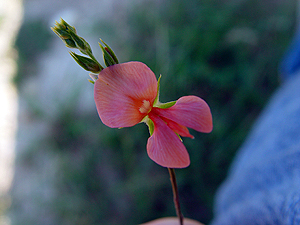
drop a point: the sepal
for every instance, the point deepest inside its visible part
(86, 63)
(81, 44)
(150, 124)
(156, 102)
(62, 31)
(108, 54)
(165, 105)
(111, 52)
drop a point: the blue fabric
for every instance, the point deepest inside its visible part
(263, 185)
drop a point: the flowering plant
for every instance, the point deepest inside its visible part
(126, 94)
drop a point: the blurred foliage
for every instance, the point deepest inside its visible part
(226, 52)
(34, 38)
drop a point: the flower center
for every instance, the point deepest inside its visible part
(146, 107)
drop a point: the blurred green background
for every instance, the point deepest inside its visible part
(226, 52)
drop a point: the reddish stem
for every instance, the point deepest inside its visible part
(175, 195)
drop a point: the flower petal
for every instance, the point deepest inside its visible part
(124, 92)
(177, 128)
(164, 146)
(189, 111)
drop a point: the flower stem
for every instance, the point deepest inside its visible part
(175, 195)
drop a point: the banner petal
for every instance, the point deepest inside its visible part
(124, 93)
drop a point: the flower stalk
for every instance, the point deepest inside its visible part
(175, 195)
(128, 93)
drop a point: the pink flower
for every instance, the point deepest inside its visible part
(127, 94)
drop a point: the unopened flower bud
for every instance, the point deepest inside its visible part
(108, 54)
(70, 43)
(62, 31)
(87, 63)
(81, 44)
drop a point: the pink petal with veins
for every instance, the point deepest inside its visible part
(164, 146)
(124, 93)
(189, 111)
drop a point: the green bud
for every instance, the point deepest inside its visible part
(110, 52)
(70, 43)
(81, 44)
(66, 26)
(77, 40)
(69, 35)
(62, 31)
(108, 59)
(87, 63)
(87, 48)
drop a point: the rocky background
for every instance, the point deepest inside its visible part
(71, 169)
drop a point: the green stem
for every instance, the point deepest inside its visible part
(175, 195)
